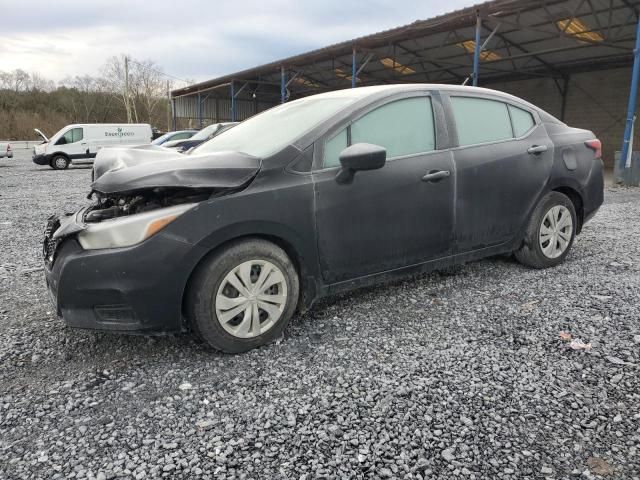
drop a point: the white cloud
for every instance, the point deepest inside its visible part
(193, 39)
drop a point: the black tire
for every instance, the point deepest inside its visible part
(59, 162)
(531, 253)
(200, 300)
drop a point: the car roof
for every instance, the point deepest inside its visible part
(360, 93)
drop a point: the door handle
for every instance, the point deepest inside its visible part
(536, 149)
(436, 175)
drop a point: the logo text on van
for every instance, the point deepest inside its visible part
(119, 133)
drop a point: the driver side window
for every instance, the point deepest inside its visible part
(403, 127)
(71, 136)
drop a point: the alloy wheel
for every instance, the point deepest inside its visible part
(555, 231)
(251, 298)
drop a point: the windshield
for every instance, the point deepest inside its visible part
(205, 132)
(271, 131)
(162, 139)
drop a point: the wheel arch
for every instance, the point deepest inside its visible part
(56, 154)
(576, 200)
(307, 279)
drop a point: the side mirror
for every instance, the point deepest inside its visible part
(360, 156)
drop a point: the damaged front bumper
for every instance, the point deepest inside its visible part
(119, 277)
(132, 289)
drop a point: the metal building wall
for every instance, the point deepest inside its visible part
(216, 109)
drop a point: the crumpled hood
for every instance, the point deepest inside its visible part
(113, 158)
(125, 170)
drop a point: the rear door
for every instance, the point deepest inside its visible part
(502, 163)
(387, 218)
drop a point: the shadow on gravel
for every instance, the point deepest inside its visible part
(104, 347)
(45, 169)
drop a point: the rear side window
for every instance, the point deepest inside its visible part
(480, 120)
(403, 127)
(522, 120)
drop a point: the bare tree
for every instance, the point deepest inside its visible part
(139, 85)
(151, 86)
(85, 97)
(40, 83)
(116, 80)
(18, 80)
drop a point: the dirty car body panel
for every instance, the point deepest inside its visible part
(448, 204)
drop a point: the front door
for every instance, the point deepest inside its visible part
(392, 217)
(72, 143)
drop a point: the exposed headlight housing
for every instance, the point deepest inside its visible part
(129, 230)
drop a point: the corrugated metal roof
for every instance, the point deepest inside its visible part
(528, 42)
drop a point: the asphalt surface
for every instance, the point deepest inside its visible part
(461, 374)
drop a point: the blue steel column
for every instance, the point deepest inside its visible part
(627, 143)
(199, 111)
(233, 102)
(353, 68)
(476, 52)
(283, 85)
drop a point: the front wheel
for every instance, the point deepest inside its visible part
(59, 162)
(243, 297)
(550, 232)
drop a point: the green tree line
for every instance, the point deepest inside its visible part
(28, 100)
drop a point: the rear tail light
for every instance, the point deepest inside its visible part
(596, 146)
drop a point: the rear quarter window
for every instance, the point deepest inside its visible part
(522, 120)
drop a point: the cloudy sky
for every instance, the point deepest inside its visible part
(193, 39)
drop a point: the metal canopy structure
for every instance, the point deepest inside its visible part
(495, 41)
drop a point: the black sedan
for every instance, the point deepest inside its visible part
(317, 196)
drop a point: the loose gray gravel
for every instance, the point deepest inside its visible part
(456, 375)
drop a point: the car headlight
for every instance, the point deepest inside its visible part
(129, 230)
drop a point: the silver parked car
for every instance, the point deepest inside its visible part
(5, 150)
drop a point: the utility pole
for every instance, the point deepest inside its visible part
(169, 107)
(126, 88)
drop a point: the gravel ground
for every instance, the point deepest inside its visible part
(457, 375)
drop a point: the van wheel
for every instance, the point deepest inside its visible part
(59, 162)
(550, 232)
(243, 297)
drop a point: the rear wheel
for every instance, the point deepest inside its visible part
(243, 297)
(59, 162)
(550, 232)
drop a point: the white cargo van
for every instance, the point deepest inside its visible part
(80, 143)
